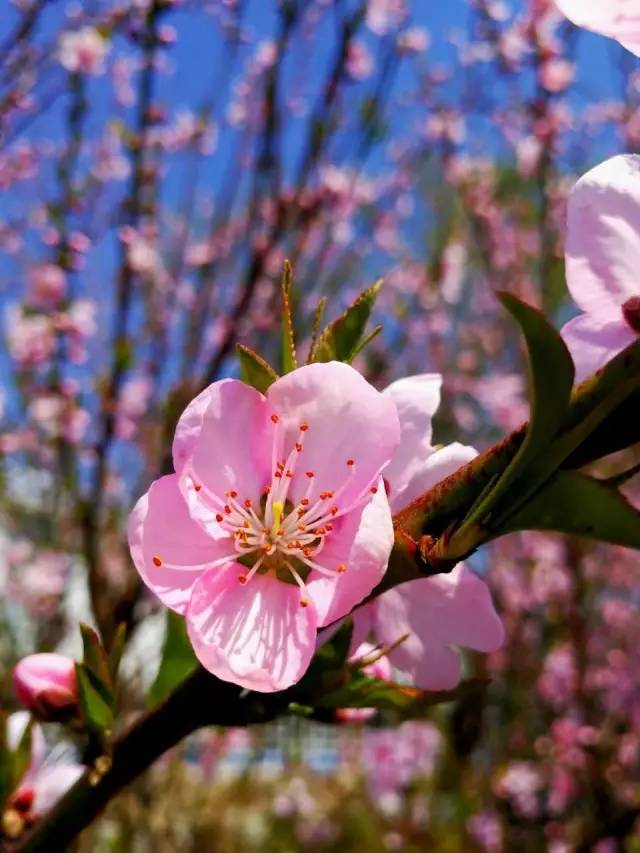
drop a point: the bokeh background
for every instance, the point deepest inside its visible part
(159, 159)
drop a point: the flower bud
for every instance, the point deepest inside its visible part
(46, 686)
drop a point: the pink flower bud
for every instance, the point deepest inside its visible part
(46, 686)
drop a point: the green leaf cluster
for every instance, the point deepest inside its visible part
(341, 340)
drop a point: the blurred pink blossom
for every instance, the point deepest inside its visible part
(83, 51)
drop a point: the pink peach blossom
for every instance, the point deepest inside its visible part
(83, 51)
(275, 522)
(44, 782)
(46, 685)
(442, 611)
(602, 262)
(617, 19)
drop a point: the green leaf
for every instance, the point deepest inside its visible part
(574, 503)
(178, 660)
(340, 340)
(407, 702)
(289, 358)
(117, 650)
(6, 764)
(21, 758)
(315, 328)
(254, 370)
(551, 374)
(96, 711)
(95, 657)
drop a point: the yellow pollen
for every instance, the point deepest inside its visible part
(278, 510)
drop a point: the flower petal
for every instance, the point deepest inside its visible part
(189, 426)
(602, 243)
(160, 527)
(429, 471)
(437, 612)
(593, 343)
(417, 399)
(362, 540)
(256, 635)
(616, 19)
(347, 418)
(232, 450)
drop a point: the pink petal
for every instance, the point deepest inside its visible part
(437, 612)
(363, 624)
(617, 19)
(429, 471)
(232, 450)
(417, 399)
(347, 418)
(189, 426)
(603, 237)
(593, 343)
(362, 540)
(160, 526)
(51, 783)
(256, 635)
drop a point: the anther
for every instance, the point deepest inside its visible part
(304, 426)
(275, 419)
(334, 510)
(197, 486)
(350, 462)
(227, 509)
(289, 474)
(298, 447)
(242, 579)
(309, 474)
(304, 501)
(248, 503)
(373, 490)
(304, 602)
(219, 517)
(342, 568)
(157, 561)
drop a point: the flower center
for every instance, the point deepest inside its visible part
(280, 535)
(631, 313)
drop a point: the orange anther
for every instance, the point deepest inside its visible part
(227, 509)
(342, 568)
(305, 501)
(242, 579)
(157, 561)
(350, 462)
(333, 510)
(304, 602)
(197, 486)
(309, 474)
(298, 446)
(219, 517)
(248, 503)
(373, 490)
(275, 418)
(304, 426)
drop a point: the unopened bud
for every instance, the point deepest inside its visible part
(46, 686)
